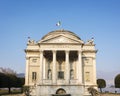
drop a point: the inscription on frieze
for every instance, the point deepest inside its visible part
(62, 46)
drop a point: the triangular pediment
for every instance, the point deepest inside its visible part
(61, 39)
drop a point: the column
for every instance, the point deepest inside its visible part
(41, 66)
(54, 68)
(79, 68)
(94, 71)
(67, 67)
(27, 73)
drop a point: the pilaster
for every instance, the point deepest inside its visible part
(44, 67)
(94, 70)
(27, 71)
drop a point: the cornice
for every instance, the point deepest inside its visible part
(60, 44)
(91, 51)
(31, 50)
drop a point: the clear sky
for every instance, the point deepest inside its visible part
(20, 19)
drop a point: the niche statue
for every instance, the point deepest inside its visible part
(49, 74)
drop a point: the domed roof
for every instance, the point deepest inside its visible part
(61, 32)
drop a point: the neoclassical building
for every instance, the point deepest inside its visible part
(60, 64)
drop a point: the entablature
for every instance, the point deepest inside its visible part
(31, 50)
(60, 47)
(89, 51)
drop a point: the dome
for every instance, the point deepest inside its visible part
(61, 32)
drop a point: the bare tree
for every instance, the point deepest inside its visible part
(7, 71)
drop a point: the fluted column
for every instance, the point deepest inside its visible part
(54, 68)
(67, 67)
(41, 66)
(27, 73)
(79, 68)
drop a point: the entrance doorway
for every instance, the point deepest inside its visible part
(61, 92)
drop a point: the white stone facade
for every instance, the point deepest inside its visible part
(60, 63)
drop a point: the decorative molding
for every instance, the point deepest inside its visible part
(31, 50)
(60, 46)
(91, 51)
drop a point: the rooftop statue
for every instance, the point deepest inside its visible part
(91, 41)
(30, 41)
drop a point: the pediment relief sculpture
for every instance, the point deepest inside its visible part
(61, 39)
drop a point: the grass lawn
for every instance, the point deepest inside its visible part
(4, 91)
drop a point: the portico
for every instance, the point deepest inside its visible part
(60, 67)
(60, 61)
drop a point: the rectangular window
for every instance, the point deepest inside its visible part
(87, 76)
(60, 75)
(34, 75)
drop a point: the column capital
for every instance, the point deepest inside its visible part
(54, 51)
(67, 51)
